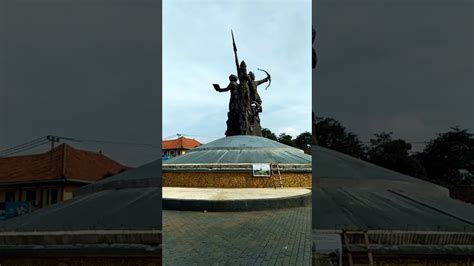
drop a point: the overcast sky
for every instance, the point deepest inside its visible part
(84, 69)
(91, 69)
(398, 65)
(197, 52)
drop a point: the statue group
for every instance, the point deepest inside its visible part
(245, 103)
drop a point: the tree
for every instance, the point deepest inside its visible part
(266, 133)
(394, 155)
(449, 157)
(304, 140)
(331, 134)
(286, 139)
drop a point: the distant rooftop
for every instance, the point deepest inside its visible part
(65, 162)
(181, 143)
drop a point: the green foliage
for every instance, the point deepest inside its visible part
(304, 140)
(394, 155)
(266, 133)
(286, 139)
(331, 134)
(449, 158)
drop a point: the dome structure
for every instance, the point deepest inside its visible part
(229, 162)
(243, 149)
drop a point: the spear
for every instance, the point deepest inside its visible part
(235, 53)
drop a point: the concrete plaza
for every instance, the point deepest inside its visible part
(273, 237)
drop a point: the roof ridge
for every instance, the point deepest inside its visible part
(85, 151)
(103, 156)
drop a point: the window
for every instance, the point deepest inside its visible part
(10, 196)
(31, 195)
(50, 196)
(54, 195)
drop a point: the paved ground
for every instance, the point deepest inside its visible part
(275, 237)
(231, 193)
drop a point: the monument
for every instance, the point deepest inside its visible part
(242, 171)
(245, 103)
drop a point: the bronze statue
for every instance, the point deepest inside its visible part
(315, 62)
(233, 125)
(256, 103)
(245, 103)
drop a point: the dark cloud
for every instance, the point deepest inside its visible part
(85, 69)
(402, 66)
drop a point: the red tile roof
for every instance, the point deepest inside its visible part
(181, 143)
(67, 163)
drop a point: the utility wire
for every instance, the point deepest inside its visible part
(109, 142)
(46, 139)
(21, 146)
(25, 148)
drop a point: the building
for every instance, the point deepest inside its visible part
(177, 147)
(50, 177)
(114, 221)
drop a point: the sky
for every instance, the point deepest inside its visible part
(197, 52)
(92, 69)
(398, 66)
(82, 69)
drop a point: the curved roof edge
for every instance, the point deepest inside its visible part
(231, 167)
(145, 176)
(243, 149)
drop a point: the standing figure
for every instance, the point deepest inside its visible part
(256, 103)
(235, 108)
(245, 82)
(244, 93)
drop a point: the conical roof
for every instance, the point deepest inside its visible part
(349, 193)
(243, 149)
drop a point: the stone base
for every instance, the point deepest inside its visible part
(228, 199)
(233, 180)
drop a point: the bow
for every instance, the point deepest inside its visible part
(268, 76)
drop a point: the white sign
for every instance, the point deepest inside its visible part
(261, 169)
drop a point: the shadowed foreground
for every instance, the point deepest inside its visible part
(272, 237)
